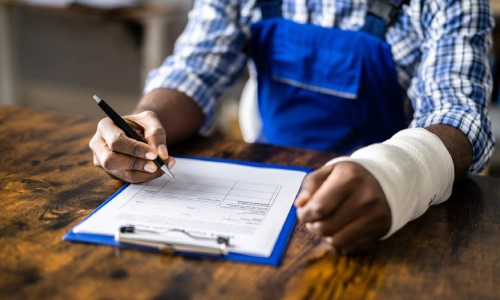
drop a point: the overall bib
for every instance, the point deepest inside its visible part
(325, 88)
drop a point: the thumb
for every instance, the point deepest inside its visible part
(154, 133)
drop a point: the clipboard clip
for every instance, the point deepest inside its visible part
(131, 235)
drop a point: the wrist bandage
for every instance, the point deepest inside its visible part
(414, 169)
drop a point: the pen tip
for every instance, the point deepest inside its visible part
(166, 170)
(96, 99)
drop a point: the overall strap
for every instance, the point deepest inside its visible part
(380, 15)
(270, 8)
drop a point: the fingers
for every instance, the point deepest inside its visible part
(163, 153)
(170, 162)
(110, 160)
(347, 212)
(135, 176)
(118, 142)
(154, 134)
(128, 168)
(310, 184)
(348, 209)
(353, 232)
(356, 237)
(127, 158)
(332, 192)
(366, 201)
(153, 131)
(132, 176)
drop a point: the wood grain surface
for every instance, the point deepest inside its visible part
(49, 183)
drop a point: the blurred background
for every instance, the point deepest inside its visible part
(57, 54)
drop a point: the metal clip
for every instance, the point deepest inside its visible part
(129, 235)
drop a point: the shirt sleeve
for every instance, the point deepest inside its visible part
(208, 56)
(454, 81)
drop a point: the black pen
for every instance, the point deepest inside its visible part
(129, 131)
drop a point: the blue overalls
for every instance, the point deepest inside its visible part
(325, 88)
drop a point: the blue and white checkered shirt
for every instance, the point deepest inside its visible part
(440, 48)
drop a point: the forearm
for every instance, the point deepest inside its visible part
(458, 146)
(180, 115)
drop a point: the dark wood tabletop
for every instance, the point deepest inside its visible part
(49, 183)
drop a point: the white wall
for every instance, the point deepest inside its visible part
(62, 59)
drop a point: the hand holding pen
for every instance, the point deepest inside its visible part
(120, 150)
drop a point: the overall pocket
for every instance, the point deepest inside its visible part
(323, 71)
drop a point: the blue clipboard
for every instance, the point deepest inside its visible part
(273, 260)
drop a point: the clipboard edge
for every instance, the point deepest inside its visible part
(274, 259)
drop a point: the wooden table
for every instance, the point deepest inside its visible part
(49, 184)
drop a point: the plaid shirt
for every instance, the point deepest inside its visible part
(440, 49)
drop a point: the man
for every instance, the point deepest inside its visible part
(332, 75)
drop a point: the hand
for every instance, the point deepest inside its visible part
(125, 158)
(345, 205)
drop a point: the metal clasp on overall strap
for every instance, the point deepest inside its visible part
(385, 9)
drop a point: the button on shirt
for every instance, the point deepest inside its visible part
(440, 50)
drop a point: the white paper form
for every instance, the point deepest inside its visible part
(248, 204)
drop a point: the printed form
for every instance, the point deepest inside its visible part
(207, 199)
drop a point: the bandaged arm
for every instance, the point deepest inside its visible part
(414, 169)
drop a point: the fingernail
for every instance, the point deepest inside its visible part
(150, 167)
(150, 155)
(162, 151)
(171, 163)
